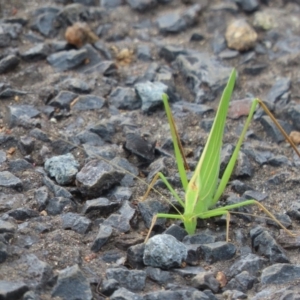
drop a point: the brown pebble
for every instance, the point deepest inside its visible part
(221, 277)
(239, 108)
(79, 34)
(240, 35)
(295, 137)
(125, 56)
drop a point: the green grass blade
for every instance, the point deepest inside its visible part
(203, 184)
(231, 164)
(176, 142)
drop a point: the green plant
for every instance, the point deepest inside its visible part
(204, 189)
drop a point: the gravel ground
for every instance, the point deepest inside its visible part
(82, 129)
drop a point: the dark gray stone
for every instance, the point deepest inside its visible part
(118, 222)
(111, 3)
(87, 2)
(109, 286)
(248, 5)
(9, 180)
(38, 52)
(72, 285)
(97, 176)
(39, 270)
(102, 47)
(105, 232)
(44, 21)
(284, 219)
(199, 238)
(198, 109)
(176, 22)
(217, 251)
(294, 210)
(264, 244)
(142, 5)
(243, 166)
(88, 102)
(171, 52)
(135, 255)
(254, 70)
(277, 179)
(164, 251)
(39, 135)
(194, 254)
(7, 227)
(63, 168)
(226, 154)
(189, 271)
(106, 68)
(3, 253)
(12, 289)
(124, 294)
(76, 222)
(279, 160)
(261, 157)
(124, 98)
(127, 210)
(234, 294)
(11, 201)
(56, 189)
(132, 280)
(242, 282)
(26, 144)
(2, 156)
(140, 147)
(30, 295)
(159, 276)
(171, 23)
(150, 94)
(203, 70)
(151, 207)
(88, 137)
(143, 52)
(23, 213)
(105, 129)
(9, 93)
(240, 187)
(127, 166)
(8, 63)
(58, 205)
(113, 256)
(63, 99)
(72, 13)
(120, 194)
(67, 60)
(272, 130)
(94, 59)
(292, 113)
(280, 274)
(206, 280)
(15, 114)
(178, 232)
(279, 89)
(19, 165)
(76, 85)
(177, 293)
(99, 207)
(9, 32)
(255, 195)
(41, 196)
